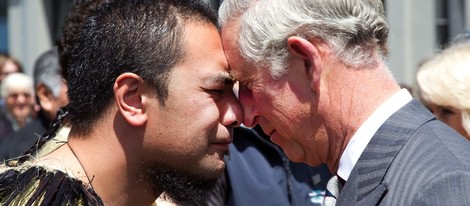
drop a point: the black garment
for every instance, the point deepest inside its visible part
(6, 128)
(259, 173)
(22, 140)
(39, 186)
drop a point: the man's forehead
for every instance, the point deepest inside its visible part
(229, 35)
(236, 63)
(20, 88)
(238, 66)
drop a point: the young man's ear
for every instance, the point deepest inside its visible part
(129, 91)
(309, 53)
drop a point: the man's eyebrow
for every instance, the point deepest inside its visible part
(222, 78)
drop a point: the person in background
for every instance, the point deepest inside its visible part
(259, 173)
(75, 18)
(51, 94)
(17, 93)
(9, 65)
(136, 77)
(443, 85)
(313, 74)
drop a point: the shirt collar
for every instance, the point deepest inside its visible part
(366, 131)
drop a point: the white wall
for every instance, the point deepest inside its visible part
(28, 31)
(412, 35)
(467, 15)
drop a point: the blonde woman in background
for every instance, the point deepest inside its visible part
(443, 85)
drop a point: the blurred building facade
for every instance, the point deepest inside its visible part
(418, 29)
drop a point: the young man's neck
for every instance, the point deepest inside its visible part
(112, 162)
(100, 161)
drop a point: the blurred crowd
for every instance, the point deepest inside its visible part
(28, 104)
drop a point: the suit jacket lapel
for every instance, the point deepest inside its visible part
(365, 184)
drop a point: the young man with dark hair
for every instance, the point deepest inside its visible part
(151, 108)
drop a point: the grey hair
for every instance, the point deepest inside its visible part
(16, 81)
(355, 30)
(47, 71)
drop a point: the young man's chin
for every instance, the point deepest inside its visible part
(181, 187)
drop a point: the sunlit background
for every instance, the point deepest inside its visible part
(418, 29)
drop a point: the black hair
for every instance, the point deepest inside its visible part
(139, 36)
(74, 20)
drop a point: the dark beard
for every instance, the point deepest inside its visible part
(181, 188)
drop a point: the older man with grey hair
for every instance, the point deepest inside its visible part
(313, 74)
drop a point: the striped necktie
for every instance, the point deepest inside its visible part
(333, 188)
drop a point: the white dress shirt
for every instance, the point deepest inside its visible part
(366, 131)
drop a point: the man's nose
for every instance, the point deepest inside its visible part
(250, 110)
(233, 115)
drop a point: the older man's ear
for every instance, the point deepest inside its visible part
(303, 50)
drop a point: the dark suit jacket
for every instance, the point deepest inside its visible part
(413, 159)
(6, 128)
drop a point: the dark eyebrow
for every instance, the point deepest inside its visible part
(222, 78)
